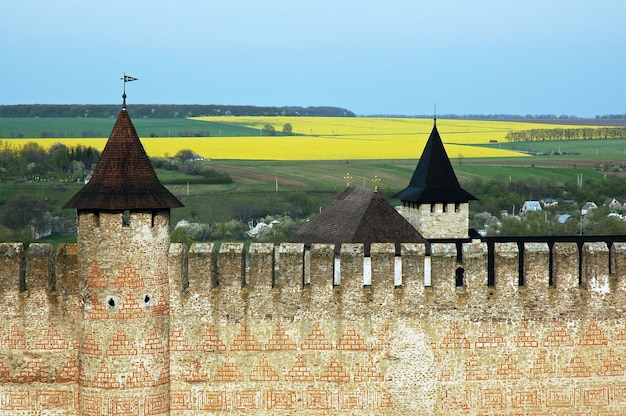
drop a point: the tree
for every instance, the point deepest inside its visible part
(269, 130)
(23, 211)
(532, 224)
(34, 154)
(59, 156)
(287, 129)
(185, 155)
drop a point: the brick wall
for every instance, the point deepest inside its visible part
(246, 334)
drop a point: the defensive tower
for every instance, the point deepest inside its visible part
(434, 202)
(123, 216)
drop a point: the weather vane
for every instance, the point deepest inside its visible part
(376, 181)
(126, 78)
(347, 178)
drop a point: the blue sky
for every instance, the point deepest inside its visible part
(563, 57)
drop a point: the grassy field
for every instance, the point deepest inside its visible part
(65, 127)
(614, 148)
(315, 138)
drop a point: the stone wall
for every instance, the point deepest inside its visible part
(438, 220)
(265, 331)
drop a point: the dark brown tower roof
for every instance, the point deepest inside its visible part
(358, 215)
(434, 179)
(124, 178)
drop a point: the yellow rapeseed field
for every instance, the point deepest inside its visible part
(330, 138)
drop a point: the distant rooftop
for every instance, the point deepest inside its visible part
(358, 215)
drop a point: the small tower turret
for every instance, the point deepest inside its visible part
(123, 240)
(434, 202)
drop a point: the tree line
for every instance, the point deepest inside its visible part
(166, 110)
(566, 134)
(33, 159)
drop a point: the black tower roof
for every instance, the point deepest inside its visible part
(434, 179)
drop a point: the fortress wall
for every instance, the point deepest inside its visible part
(39, 320)
(265, 331)
(302, 345)
(284, 282)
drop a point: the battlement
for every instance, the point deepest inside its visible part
(494, 281)
(246, 327)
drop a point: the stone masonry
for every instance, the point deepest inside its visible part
(265, 331)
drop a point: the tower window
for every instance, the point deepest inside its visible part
(111, 301)
(457, 206)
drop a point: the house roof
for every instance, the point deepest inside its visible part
(358, 215)
(531, 206)
(563, 218)
(434, 179)
(124, 178)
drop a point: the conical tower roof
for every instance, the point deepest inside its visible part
(434, 179)
(124, 178)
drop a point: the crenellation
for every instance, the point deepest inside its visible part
(12, 273)
(39, 299)
(618, 268)
(565, 267)
(443, 271)
(67, 279)
(41, 271)
(257, 280)
(595, 269)
(177, 267)
(536, 274)
(475, 272)
(202, 263)
(318, 295)
(352, 294)
(506, 272)
(231, 279)
(260, 277)
(289, 279)
(383, 273)
(411, 293)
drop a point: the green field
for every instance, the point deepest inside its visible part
(612, 148)
(101, 127)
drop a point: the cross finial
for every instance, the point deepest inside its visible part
(376, 181)
(347, 178)
(435, 114)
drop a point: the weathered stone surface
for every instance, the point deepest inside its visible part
(265, 331)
